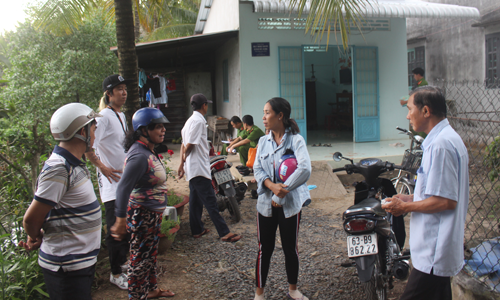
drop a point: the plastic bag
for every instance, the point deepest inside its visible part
(251, 157)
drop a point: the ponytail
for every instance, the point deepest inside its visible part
(104, 101)
(292, 124)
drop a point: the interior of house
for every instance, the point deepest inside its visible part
(328, 82)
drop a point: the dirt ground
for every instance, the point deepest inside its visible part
(176, 264)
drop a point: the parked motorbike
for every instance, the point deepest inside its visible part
(371, 240)
(228, 194)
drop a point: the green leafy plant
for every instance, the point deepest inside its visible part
(173, 198)
(166, 225)
(492, 158)
(20, 274)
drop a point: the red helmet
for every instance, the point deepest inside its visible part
(286, 166)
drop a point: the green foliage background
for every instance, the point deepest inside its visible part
(44, 72)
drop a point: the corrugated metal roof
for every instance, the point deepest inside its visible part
(203, 13)
(385, 9)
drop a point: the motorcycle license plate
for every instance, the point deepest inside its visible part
(223, 176)
(361, 245)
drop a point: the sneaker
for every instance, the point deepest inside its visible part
(120, 281)
(124, 267)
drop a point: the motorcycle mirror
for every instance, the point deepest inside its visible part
(337, 156)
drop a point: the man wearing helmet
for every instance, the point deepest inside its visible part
(108, 158)
(64, 219)
(195, 163)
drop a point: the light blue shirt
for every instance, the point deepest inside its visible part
(267, 157)
(436, 240)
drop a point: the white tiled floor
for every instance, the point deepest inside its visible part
(342, 142)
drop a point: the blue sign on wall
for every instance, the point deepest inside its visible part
(260, 49)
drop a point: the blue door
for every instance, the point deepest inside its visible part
(292, 84)
(366, 94)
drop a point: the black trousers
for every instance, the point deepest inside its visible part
(266, 234)
(72, 285)
(201, 193)
(117, 250)
(427, 286)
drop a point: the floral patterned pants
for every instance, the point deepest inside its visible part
(144, 227)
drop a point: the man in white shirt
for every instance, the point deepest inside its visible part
(439, 204)
(109, 157)
(195, 163)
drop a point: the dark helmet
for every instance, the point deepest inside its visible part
(146, 116)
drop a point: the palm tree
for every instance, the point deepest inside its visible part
(325, 14)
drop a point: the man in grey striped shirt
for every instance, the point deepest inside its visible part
(64, 219)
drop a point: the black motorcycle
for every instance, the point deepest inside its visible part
(228, 193)
(375, 237)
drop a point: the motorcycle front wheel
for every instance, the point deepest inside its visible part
(375, 289)
(234, 208)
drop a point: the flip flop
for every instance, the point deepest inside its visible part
(197, 236)
(232, 238)
(163, 294)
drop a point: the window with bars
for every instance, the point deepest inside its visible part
(416, 58)
(492, 54)
(225, 81)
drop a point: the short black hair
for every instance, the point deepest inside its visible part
(248, 119)
(418, 71)
(235, 119)
(432, 97)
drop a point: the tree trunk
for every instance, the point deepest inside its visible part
(127, 57)
(137, 24)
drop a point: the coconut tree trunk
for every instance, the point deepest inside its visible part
(137, 24)
(127, 57)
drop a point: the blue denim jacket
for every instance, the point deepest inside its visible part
(268, 155)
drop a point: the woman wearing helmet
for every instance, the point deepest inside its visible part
(141, 198)
(282, 190)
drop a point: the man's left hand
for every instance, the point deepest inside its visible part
(32, 244)
(395, 206)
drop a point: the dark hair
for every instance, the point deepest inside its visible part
(280, 105)
(133, 136)
(432, 97)
(196, 106)
(248, 119)
(236, 119)
(418, 71)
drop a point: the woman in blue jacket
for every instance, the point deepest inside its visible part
(280, 204)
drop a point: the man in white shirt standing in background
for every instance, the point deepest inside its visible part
(109, 157)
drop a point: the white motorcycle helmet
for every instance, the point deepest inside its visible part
(70, 118)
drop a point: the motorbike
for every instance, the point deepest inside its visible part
(372, 233)
(228, 193)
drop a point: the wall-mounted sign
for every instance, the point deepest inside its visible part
(260, 49)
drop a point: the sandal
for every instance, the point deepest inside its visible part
(231, 238)
(205, 231)
(161, 294)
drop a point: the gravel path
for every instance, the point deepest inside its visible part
(221, 270)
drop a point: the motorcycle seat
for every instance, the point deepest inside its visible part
(367, 206)
(217, 158)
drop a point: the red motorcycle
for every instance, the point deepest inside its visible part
(228, 193)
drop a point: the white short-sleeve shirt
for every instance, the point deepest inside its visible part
(198, 161)
(436, 240)
(108, 145)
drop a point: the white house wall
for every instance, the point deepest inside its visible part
(229, 51)
(223, 16)
(260, 77)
